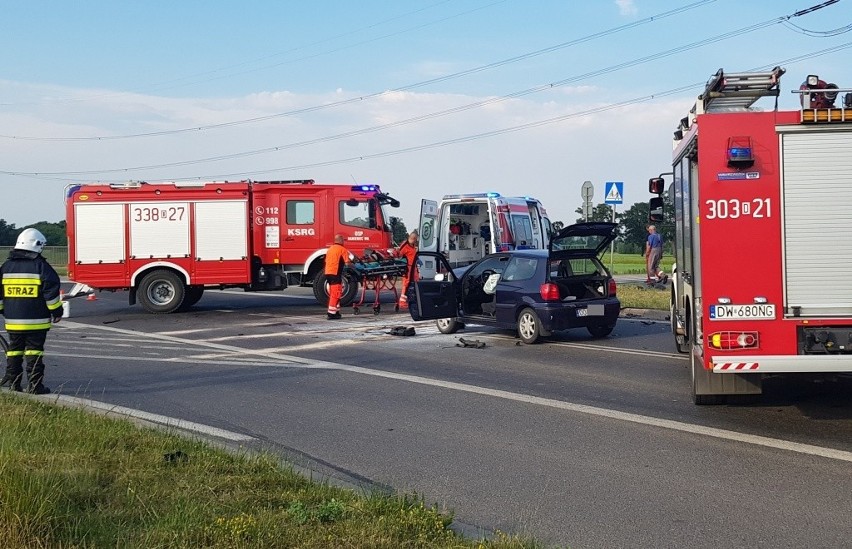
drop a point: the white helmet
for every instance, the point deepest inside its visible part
(31, 240)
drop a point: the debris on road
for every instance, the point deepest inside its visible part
(475, 343)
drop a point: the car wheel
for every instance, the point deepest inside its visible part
(448, 325)
(529, 326)
(601, 330)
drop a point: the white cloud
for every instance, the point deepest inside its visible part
(626, 7)
(549, 162)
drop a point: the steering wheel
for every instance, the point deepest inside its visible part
(483, 277)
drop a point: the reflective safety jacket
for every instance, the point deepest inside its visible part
(336, 258)
(29, 292)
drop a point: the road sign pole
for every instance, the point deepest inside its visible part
(612, 244)
(613, 195)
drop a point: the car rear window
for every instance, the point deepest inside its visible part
(564, 268)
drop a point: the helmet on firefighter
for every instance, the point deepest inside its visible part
(31, 240)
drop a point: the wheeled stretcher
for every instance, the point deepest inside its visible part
(378, 274)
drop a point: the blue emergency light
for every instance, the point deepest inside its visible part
(740, 152)
(472, 195)
(364, 188)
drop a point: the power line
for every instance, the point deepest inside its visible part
(407, 87)
(514, 95)
(458, 140)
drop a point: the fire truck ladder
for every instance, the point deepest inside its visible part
(726, 92)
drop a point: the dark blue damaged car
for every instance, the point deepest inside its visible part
(535, 292)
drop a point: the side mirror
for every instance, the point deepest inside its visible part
(656, 185)
(655, 210)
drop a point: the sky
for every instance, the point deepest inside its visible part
(422, 97)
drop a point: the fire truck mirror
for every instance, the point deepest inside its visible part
(655, 210)
(656, 185)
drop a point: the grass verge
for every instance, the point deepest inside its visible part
(639, 296)
(73, 479)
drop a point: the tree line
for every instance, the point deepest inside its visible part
(633, 225)
(54, 232)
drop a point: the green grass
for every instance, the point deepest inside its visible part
(623, 264)
(638, 296)
(72, 479)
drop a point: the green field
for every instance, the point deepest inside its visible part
(622, 264)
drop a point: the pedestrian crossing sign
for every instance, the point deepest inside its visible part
(614, 193)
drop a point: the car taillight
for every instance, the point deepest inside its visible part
(549, 291)
(612, 288)
(727, 341)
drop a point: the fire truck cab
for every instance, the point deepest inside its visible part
(761, 200)
(467, 227)
(168, 242)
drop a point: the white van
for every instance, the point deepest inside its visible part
(467, 227)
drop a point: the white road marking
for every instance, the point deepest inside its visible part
(298, 362)
(592, 347)
(153, 418)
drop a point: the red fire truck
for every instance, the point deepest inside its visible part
(167, 242)
(762, 203)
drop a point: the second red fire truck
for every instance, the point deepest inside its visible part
(762, 203)
(166, 243)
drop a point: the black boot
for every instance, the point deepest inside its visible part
(14, 373)
(38, 389)
(35, 373)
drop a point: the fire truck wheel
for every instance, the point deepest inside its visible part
(193, 294)
(347, 296)
(702, 400)
(350, 290)
(161, 291)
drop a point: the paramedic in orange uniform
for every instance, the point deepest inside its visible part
(336, 258)
(408, 250)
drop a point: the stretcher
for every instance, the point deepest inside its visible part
(377, 274)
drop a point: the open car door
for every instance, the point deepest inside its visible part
(436, 296)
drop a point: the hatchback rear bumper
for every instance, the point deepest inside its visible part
(566, 315)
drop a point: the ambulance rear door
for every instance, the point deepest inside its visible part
(428, 234)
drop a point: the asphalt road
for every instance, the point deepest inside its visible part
(578, 442)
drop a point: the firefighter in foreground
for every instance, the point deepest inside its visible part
(30, 301)
(408, 250)
(336, 259)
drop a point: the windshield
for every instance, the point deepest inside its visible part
(579, 242)
(386, 218)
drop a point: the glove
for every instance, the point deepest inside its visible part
(56, 315)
